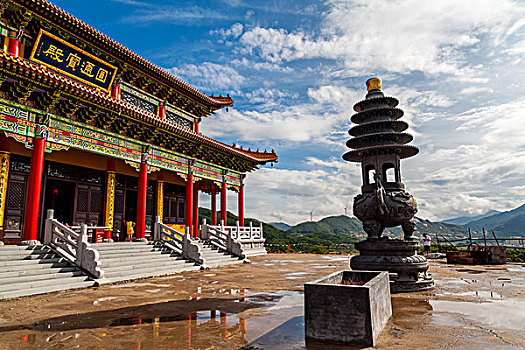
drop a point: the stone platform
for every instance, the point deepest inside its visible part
(398, 257)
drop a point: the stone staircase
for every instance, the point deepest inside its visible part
(215, 257)
(36, 270)
(128, 261)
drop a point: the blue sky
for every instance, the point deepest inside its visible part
(296, 68)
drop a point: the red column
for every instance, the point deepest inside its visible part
(34, 188)
(223, 204)
(241, 205)
(162, 111)
(115, 91)
(213, 205)
(197, 127)
(196, 210)
(13, 47)
(141, 201)
(189, 200)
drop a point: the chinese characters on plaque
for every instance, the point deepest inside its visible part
(72, 61)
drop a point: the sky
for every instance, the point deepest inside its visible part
(295, 69)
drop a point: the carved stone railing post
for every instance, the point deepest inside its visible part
(48, 233)
(87, 257)
(156, 229)
(204, 231)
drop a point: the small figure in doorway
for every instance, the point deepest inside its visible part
(130, 230)
(426, 243)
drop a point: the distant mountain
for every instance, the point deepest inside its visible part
(432, 228)
(280, 225)
(338, 225)
(507, 223)
(462, 220)
(344, 225)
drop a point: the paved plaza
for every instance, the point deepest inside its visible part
(260, 306)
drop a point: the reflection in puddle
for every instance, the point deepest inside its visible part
(213, 323)
(501, 314)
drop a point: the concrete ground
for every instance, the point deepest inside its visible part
(260, 306)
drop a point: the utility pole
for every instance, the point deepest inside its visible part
(312, 215)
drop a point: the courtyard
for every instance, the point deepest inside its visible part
(260, 306)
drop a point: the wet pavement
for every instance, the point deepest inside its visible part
(260, 306)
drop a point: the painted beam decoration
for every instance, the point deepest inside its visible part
(68, 59)
(20, 123)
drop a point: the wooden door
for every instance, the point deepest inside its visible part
(89, 204)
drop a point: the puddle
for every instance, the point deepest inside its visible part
(145, 284)
(500, 314)
(322, 266)
(482, 294)
(337, 258)
(99, 300)
(516, 268)
(471, 271)
(298, 273)
(205, 324)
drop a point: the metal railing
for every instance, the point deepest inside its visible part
(73, 246)
(180, 243)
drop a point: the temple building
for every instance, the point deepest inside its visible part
(102, 136)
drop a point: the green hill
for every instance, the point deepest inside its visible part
(280, 225)
(463, 220)
(337, 225)
(505, 223)
(278, 240)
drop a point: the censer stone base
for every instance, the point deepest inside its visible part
(399, 257)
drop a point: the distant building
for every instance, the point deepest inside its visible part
(101, 135)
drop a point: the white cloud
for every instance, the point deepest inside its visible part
(234, 31)
(275, 194)
(210, 76)
(171, 14)
(253, 65)
(472, 90)
(396, 36)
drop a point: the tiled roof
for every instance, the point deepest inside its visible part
(61, 18)
(46, 76)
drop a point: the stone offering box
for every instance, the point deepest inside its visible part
(347, 306)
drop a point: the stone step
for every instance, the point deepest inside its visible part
(34, 256)
(148, 272)
(122, 245)
(119, 254)
(45, 274)
(131, 265)
(133, 260)
(22, 262)
(41, 283)
(36, 272)
(34, 265)
(20, 247)
(45, 289)
(17, 254)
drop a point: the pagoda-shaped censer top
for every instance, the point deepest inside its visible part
(379, 143)
(378, 130)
